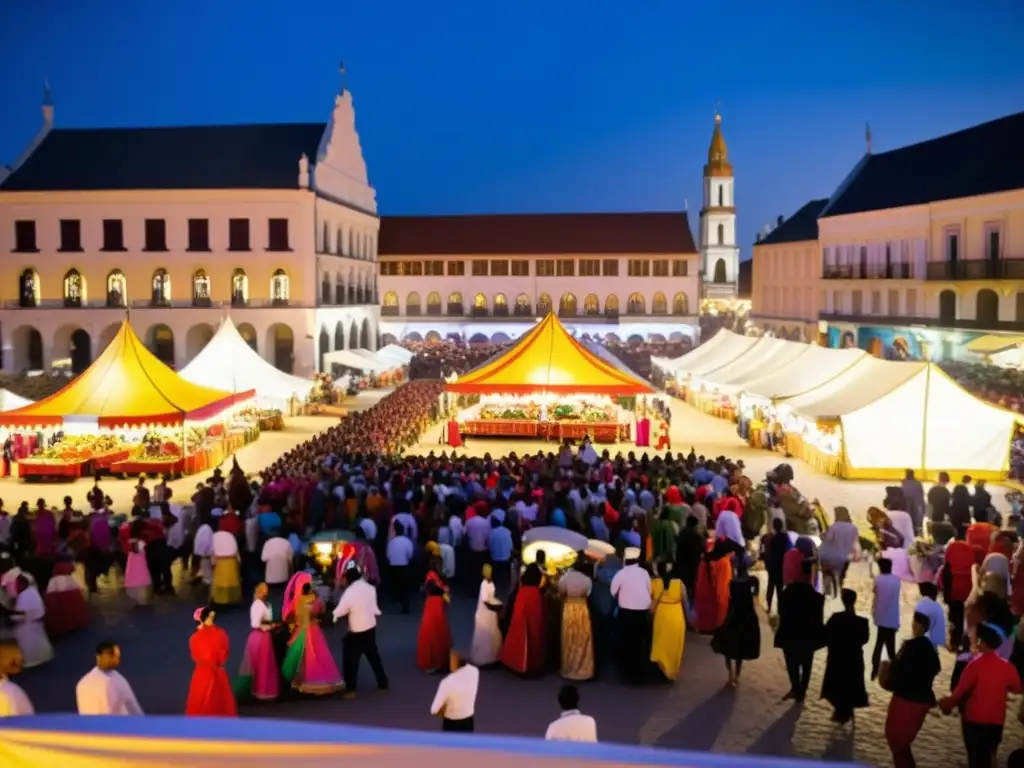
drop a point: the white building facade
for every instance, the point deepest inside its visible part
(490, 278)
(176, 228)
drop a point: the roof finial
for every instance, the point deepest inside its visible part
(718, 111)
(341, 71)
(867, 136)
(47, 94)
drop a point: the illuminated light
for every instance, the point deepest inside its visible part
(323, 548)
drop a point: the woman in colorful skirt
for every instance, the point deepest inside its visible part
(227, 576)
(209, 694)
(66, 609)
(137, 581)
(308, 664)
(523, 649)
(434, 642)
(258, 674)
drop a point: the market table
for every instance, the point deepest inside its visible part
(40, 469)
(600, 432)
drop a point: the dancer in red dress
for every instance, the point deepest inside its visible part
(210, 693)
(66, 609)
(523, 650)
(434, 642)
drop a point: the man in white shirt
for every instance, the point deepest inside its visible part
(103, 691)
(478, 537)
(359, 603)
(631, 588)
(929, 606)
(13, 700)
(399, 554)
(455, 701)
(277, 555)
(571, 725)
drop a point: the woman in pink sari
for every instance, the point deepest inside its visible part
(137, 581)
(258, 674)
(308, 664)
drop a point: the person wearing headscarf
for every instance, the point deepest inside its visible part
(728, 527)
(846, 634)
(711, 600)
(308, 665)
(486, 644)
(668, 596)
(739, 637)
(523, 650)
(209, 694)
(258, 673)
(434, 640)
(801, 630)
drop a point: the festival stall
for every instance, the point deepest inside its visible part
(227, 363)
(129, 413)
(395, 352)
(376, 371)
(548, 386)
(879, 418)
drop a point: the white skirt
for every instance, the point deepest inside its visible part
(34, 643)
(486, 645)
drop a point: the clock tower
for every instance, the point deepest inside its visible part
(719, 253)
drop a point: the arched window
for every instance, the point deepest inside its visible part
(412, 304)
(479, 305)
(721, 198)
(721, 233)
(339, 288)
(161, 296)
(325, 290)
(659, 305)
(200, 289)
(117, 289)
(543, 304)
(74, 289)
(390, 304)
(325, 245)
(522, 305)
(279, 288)
(434, 303)
(591, 305)
(720, 274)
(455, 303)
(339, 240)
(28, 288)
(567, 305)
(500, 305)
(239, 288)
(987, 307)
(611, 305)
(635, 305)
(680, 304)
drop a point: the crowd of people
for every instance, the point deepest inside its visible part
(1002, 386)
(680, 539)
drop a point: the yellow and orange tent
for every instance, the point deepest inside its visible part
(127, 386)
(548, 359)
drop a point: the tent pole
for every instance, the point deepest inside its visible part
(924, 425)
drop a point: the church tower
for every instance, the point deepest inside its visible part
(719, 253)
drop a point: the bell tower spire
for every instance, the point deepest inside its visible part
(720, 254)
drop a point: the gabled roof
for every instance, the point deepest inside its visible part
(982, 160)
(536, 234)
(801, 226)
(126, 386)
(548, 359)
(196, 157)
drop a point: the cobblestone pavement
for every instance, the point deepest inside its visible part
(696, 712)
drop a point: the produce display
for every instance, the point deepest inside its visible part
(559, 411)
(79, 448)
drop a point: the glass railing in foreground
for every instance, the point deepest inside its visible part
(69, 741)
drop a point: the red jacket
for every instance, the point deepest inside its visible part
(979, 536)
(985, 683)
(959, 563)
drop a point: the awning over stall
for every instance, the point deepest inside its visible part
(548, 359)
(814, 368)
(360, 359)
(768, 354)
(401, 354)
(228, 363)
(732, 347)
(126, 386)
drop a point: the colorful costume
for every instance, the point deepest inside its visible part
(308, 665)
(210, 693)
(434, 641)
(524, 650)
(258, 673)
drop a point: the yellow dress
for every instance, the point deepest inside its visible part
(669, 626)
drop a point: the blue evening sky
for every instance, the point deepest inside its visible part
(470, 106)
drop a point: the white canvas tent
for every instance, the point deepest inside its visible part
(401, 354)
(229, 364)
(816, 367)
(768, 354)
(351, 358)
(729, 349)
(909, 415)
(671, 363)
(9, 401)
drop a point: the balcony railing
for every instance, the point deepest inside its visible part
(930, 322)
(977, 269)
(894, 271)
